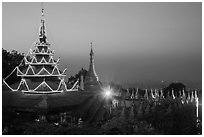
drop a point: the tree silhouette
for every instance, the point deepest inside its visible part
(177, 87)
(9, 61)
(73, 79)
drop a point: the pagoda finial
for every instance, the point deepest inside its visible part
(42, 35)
(42, 10)
(91, 53)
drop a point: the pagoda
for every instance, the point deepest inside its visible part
(91, 81)
(42, 92)
(41, 74)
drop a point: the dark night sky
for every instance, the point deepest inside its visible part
(132, 41)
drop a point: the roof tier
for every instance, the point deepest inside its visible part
(42, 85)
(42, 51)
(33, 71)
(41, 60)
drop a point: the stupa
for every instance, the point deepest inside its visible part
(91, 81)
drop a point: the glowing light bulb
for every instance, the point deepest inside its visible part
(108, 93)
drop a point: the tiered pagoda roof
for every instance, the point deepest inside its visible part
(42, 88)
(41, 74)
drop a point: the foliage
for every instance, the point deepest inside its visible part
(9, 61)
(73, 79)
(178, 86)
(181, 121)
(123, 126)
(39, 128)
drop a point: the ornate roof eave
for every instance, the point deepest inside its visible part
(20, 73)
(30, 68)
(64, 72)
(75, 86)
(45, 53)
(62, 83)
(38, 44)
(42, 92)
(23, 81)
(25, 59)
(43, 83)
(45, 70)
(4, 82)
(42, 75)
(35, 91)
(54, 70)
(42, 61)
